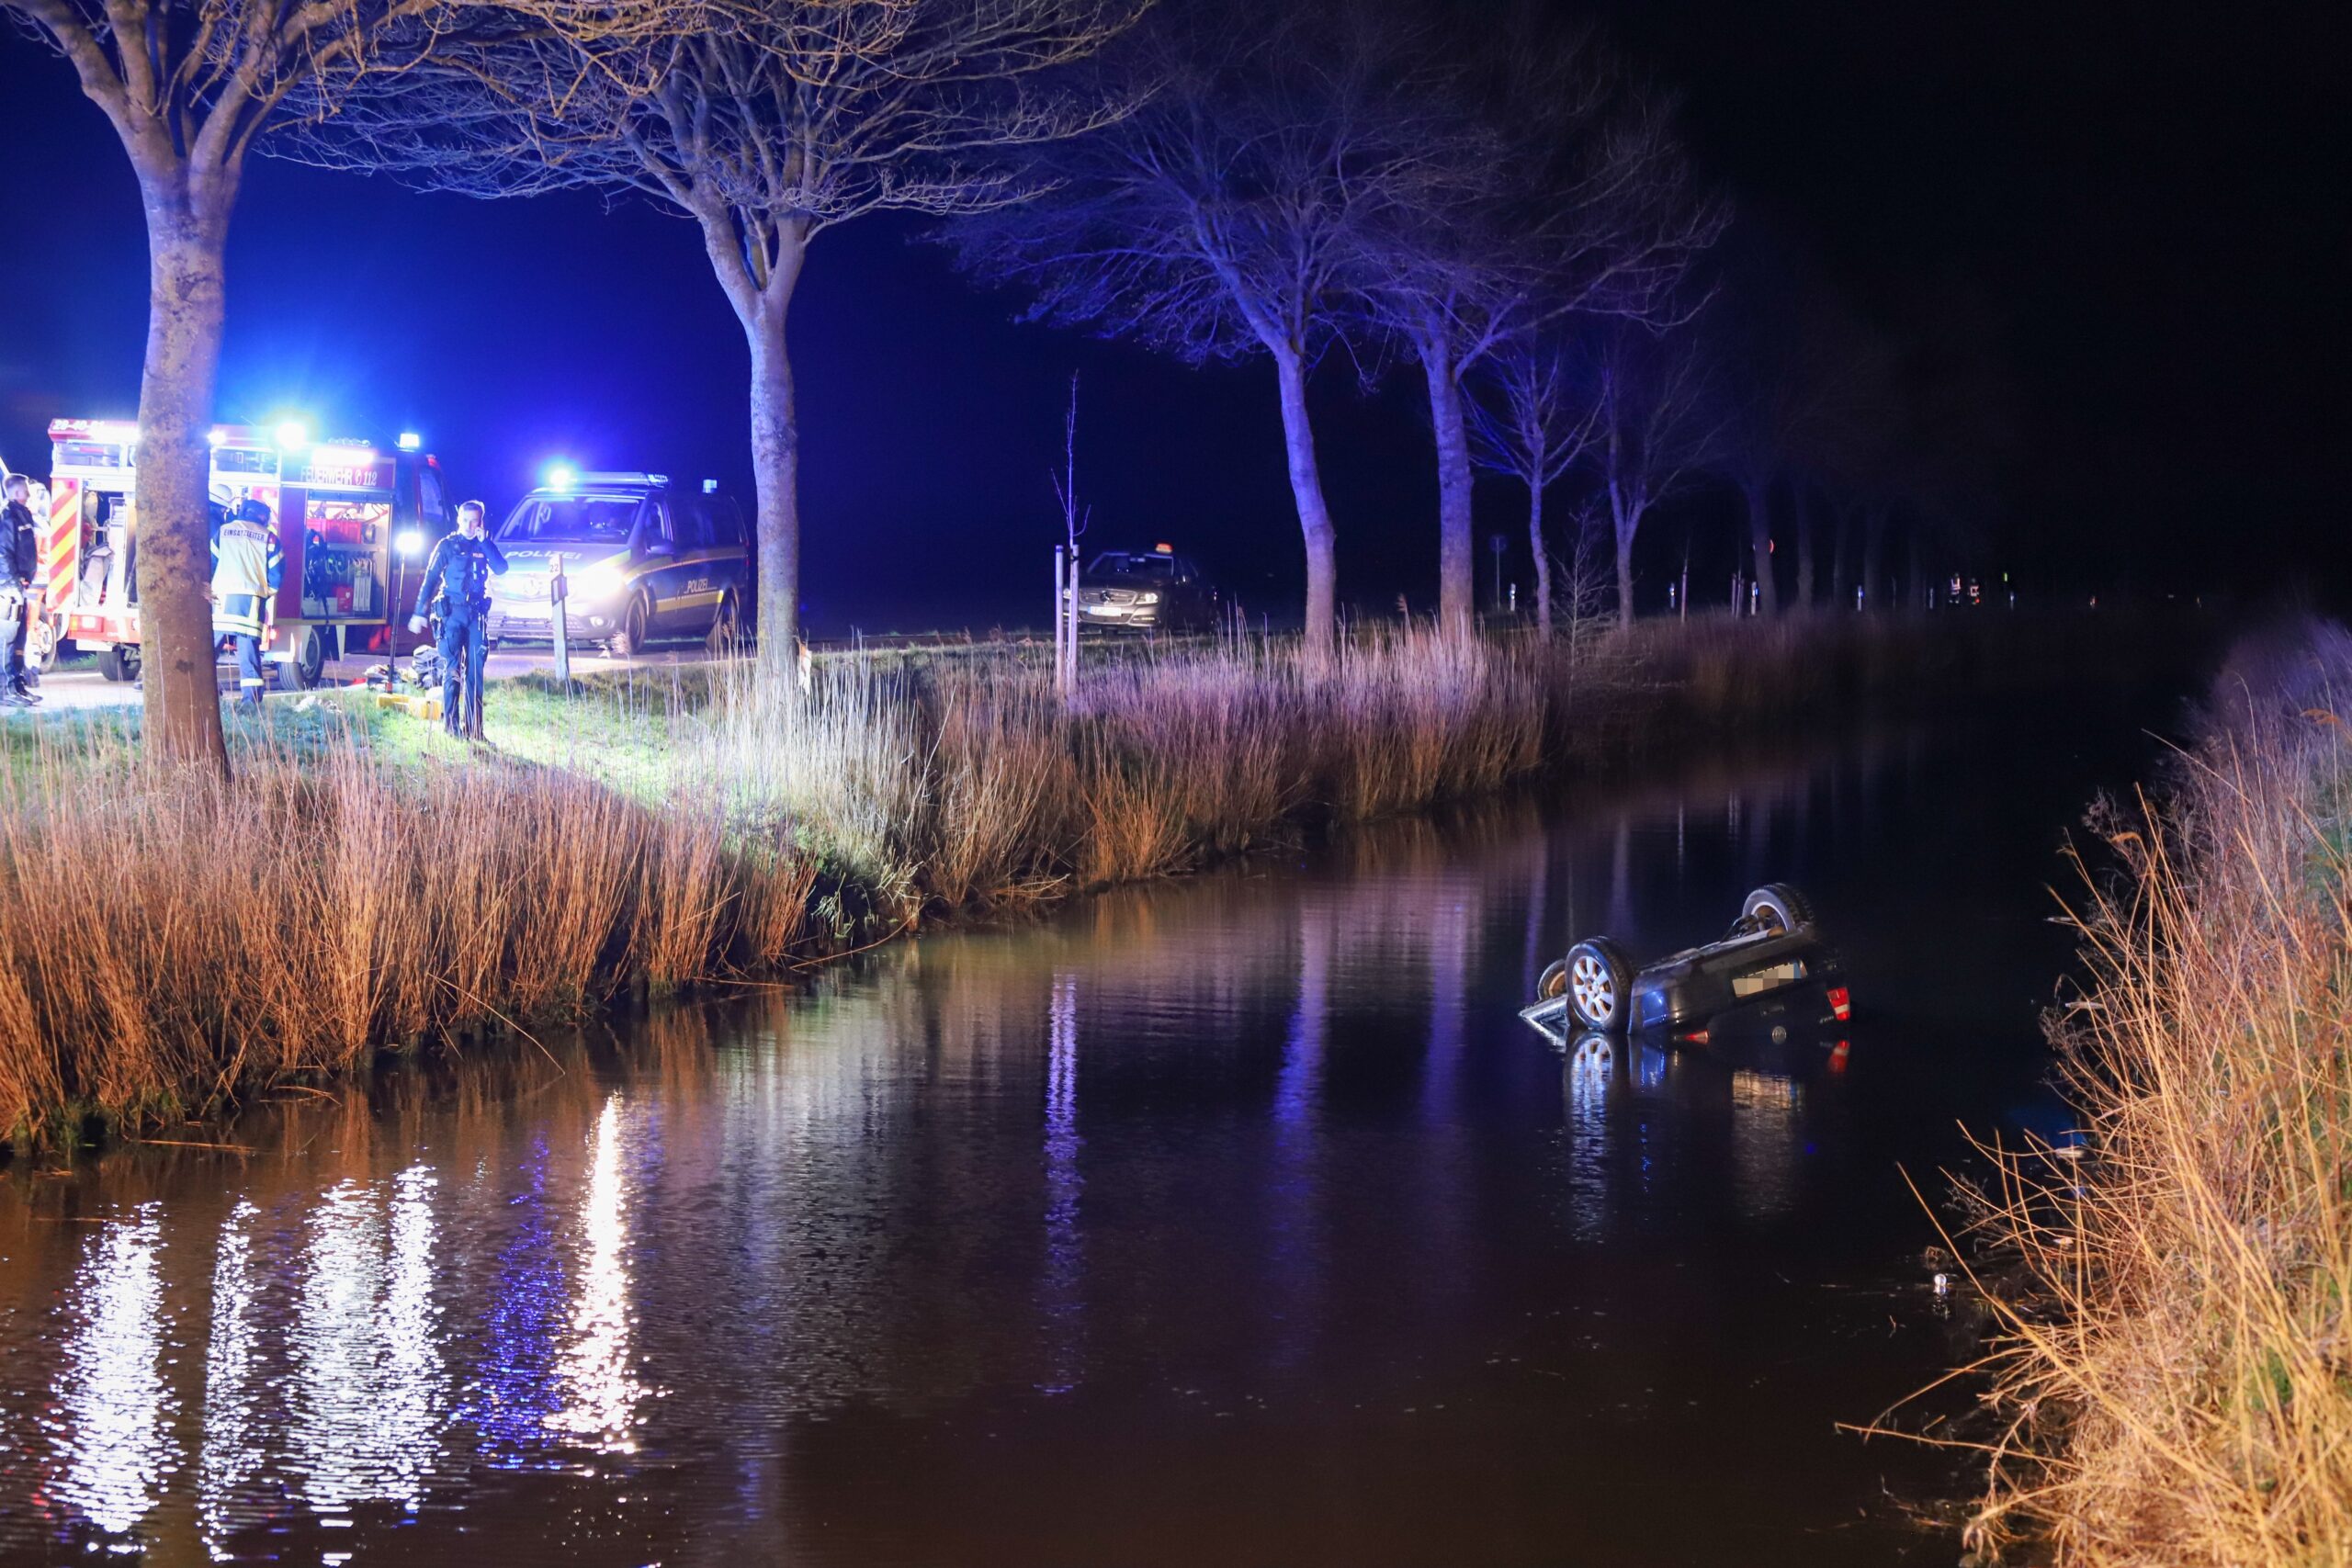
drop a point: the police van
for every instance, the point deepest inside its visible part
(643, 561)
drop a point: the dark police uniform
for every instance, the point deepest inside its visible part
(19, 565)
(456, 586)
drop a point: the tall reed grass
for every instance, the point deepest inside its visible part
(172, 939)
(2173, 1367)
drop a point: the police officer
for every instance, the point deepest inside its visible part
(19, 565)
(456, 586)
(247, 566)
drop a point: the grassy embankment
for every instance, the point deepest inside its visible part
(362, 882)
(2174, 1361)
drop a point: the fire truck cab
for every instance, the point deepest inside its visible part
(353, 519)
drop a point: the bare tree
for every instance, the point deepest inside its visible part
(189, 86)
(768, 129)
(1558, 190)
(1217, 221)
(1534, 421)
(1658, 429)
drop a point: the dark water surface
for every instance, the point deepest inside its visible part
(1238, 1220)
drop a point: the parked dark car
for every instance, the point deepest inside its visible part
(644, 561)
(1772, 974)
(1144, 591)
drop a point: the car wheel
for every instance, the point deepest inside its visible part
(725, 636)
(1600, 982)
(628, 639)
(120, 663)
(1776, 906)
(1554, 980)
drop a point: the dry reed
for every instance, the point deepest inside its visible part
(2173, 1363)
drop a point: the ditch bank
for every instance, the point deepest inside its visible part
(356, 886)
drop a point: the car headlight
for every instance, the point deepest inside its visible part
(599, 581)
(1147, 598)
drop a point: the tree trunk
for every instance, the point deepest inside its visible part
(1841, 556)
(1314, 516)
(1874, 559)
(775, 472)
(1627, 523)
(182, 697)
(1543, 559)
(1457, 563)
(1804, 503)
(1759, 539)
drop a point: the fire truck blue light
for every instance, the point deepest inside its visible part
(293, 435)
(412, 442)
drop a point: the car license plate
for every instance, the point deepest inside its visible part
(1758, 980)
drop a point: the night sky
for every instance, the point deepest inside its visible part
(2137, 213)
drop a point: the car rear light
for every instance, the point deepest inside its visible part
(1693, 1037)
(1838, 1054)
(1841, 1003)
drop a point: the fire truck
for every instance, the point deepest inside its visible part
(353, 519)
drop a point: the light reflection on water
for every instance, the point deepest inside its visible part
(596, 1370)
(108, 1425)
(1316, 1162)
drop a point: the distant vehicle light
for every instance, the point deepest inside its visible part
(293, 436)
(1163, 550)
(710, 487)
(410, 441)
(409, 542)
(561, 476)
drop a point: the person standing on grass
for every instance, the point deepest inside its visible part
(457, 588)
(247, 566)
(19, 566)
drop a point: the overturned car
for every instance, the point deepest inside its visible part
(1773, 973)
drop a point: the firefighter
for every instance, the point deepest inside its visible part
(457, 588)
(246, 567)
(19, 565)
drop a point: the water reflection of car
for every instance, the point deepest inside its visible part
(1144, 591)
(643, 562)
(1771, 976)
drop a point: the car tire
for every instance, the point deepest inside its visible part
(120, 663)
(1600, 984)
(1554, 980)
(628, 639)
(724, 639)
(1776, 904)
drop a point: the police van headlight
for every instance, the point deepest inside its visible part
(598, 582)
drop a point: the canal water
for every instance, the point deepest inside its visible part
(1234, 1221)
